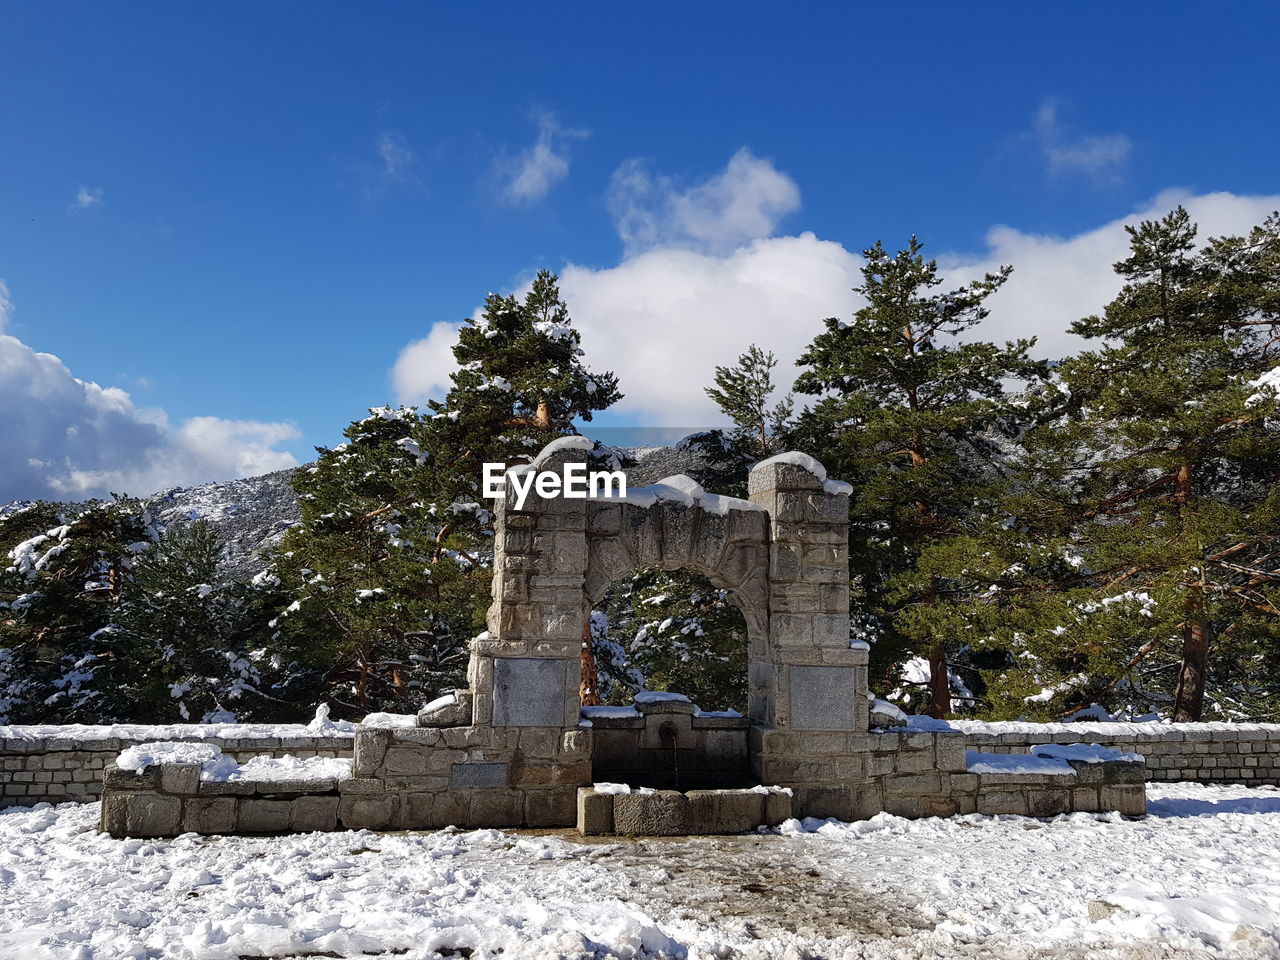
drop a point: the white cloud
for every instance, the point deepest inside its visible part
(743, 202)
(86, 198)
(397, 158)
(1101, 157)
(664, 317)
(423, 367)
(529, 177)
(67, 438)
(1058, 280)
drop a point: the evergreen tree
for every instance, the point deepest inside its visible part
(1155, 471)
(391, 562)
(378, 596)
(913, 416)
(742, 392)
(58, 600)
(672, 631)
(179, 629)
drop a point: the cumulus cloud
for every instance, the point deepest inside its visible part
(1057, 280)
(86, 198)
(743, 202)
(668, 314)
(67, 438)
(528, 177)
(423, 367)
(1101, 157)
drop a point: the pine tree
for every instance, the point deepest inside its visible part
(58, 600)
(180, 627)
(912, 415)
(742, 392)
(377, 596)
(391, 562)
(1157, 465)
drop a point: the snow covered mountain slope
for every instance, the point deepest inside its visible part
(251, 516)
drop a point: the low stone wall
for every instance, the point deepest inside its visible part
(61, 769)
(928, 775)
(1245, 753)
(168, 800)
(669, 813)
(906, 774)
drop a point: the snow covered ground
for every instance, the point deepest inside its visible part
(1198, 877)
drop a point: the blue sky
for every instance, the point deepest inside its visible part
(243, 216)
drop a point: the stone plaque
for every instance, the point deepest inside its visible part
(822, 698)
(479, 775)
(528, 692)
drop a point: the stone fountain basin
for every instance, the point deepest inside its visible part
(640, 811)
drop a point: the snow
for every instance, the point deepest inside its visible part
(806, 462)
(660, 696)
(685, 491)
(885, 712)
(390, 720)
(619, 788)
(214, 765)
(561, 444)
(1085, 729)
(287, 768)
(1197, 878)
(1006, 763)
(320, 723)
(859, 645)
(320, 726)
(1084, 753)
(604, 712)
(339, 729)
(1267, 387)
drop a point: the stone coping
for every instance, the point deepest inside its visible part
(114, 744)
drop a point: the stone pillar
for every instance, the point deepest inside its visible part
(518, 755)
(808, 697)
(525, 672)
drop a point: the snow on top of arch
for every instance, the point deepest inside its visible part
(806, 462)
(686, 491)
(564, 443)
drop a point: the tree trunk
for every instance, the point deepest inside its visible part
(939, 684)
(1188, 698)
(939, 676)
(589, 691)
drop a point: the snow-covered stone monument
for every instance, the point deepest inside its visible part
(516, 748)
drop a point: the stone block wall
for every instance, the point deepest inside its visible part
(668, 813)
(170, 800)
(475, 776)
(1246, 753)
(927, 775)
(70, 769)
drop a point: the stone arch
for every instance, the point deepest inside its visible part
(727, 544)
(783, 557)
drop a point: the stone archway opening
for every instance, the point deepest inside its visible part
(670, 631)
